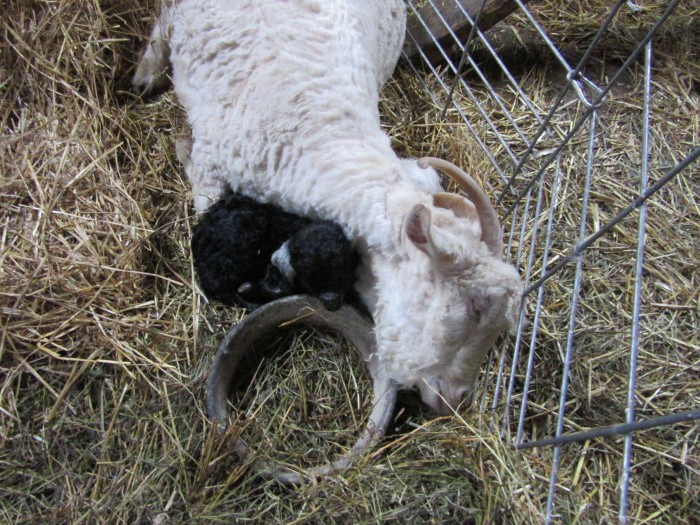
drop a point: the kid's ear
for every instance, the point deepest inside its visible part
(275, 285)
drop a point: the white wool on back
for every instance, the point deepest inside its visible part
(290, 113)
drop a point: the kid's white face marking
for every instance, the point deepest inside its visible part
(282, 261)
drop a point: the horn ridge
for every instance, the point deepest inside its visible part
(491, 232)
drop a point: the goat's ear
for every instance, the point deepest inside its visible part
(418, 228)
(440, 238)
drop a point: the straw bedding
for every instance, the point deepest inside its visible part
(106, 343)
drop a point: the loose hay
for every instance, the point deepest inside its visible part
(307, 406)
(106, 344)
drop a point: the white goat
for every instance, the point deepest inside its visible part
(282, 98)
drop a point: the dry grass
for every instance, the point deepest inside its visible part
(316, 392)
(105, 343)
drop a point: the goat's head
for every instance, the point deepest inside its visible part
(442, 305)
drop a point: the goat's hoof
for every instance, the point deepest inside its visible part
(246, 288)
(151, 75)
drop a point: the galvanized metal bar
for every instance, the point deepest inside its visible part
(465, 47)
(564, 389)
(501, 365)
(493, 12)
(485, 381)
(636, 203)
(458, 80)
(614, 430)
(540, 296)
(467, 122)
(574, 73)
(470, 93)
(601, 96)
(521, 325)
(511, 80)
(591, 96)
(548, 41)
(509, 250)
(638, 283)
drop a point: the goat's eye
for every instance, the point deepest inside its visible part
(477, 307)
(456, 321)
(473, 310)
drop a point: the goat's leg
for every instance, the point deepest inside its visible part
(153, 67)
(206, 189)
(183, 150)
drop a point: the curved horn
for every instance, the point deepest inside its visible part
(309, 311)
(491, 232)
(461, 206)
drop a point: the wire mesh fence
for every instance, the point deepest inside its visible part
(596, 179)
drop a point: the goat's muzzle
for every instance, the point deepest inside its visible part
(270, 318)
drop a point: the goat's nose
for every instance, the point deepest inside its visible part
(459, 397)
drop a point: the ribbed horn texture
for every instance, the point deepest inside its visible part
(491, 232)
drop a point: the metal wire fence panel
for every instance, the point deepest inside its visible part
(593, 162)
